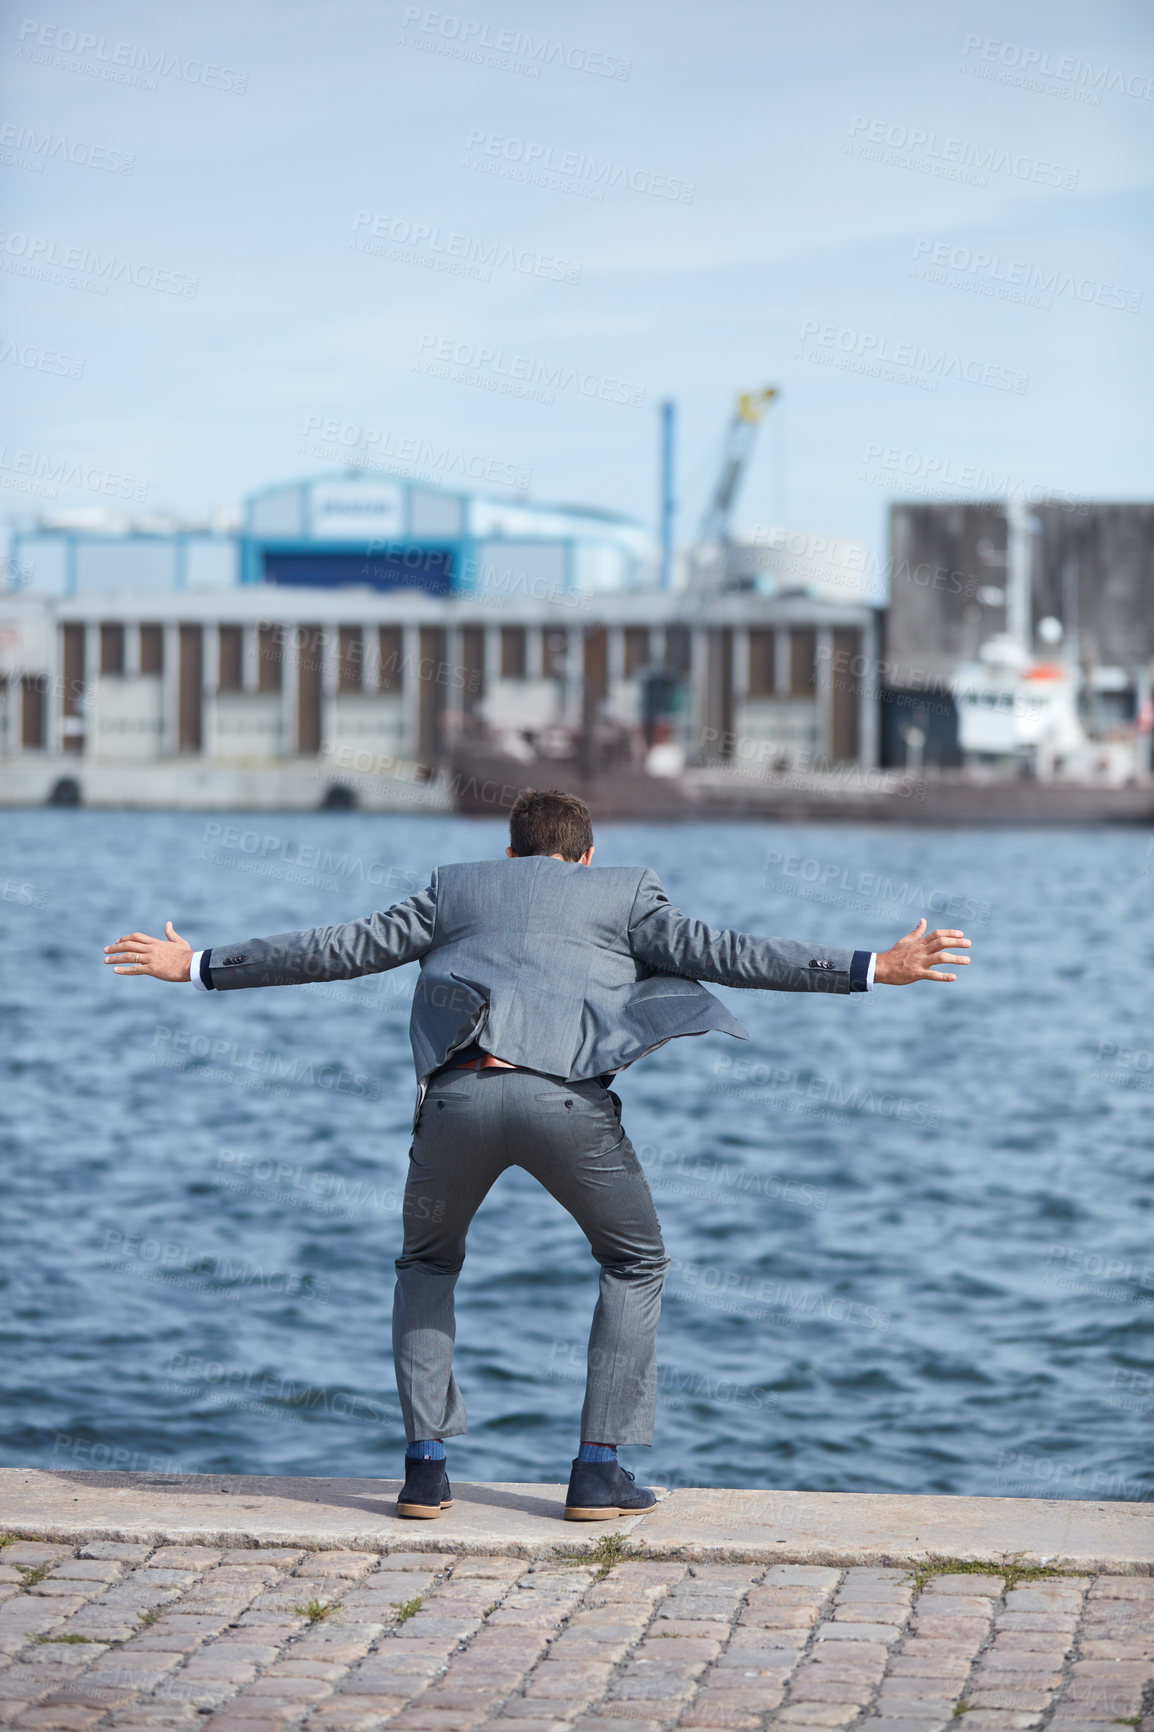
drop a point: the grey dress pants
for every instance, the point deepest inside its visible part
(473, 1125)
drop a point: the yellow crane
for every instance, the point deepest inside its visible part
(741, 436)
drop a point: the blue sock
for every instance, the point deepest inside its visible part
(597, 1452)
(425, 1449)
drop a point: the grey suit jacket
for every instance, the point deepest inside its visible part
(572, 970)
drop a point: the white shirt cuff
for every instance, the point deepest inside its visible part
(194, 971)
(870, 972)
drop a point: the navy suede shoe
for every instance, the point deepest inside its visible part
(600, 1490)
(425, 1493)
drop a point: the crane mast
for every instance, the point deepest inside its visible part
(740, 439)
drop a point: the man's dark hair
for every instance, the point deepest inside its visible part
(550, 822)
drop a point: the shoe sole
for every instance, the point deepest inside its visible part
(573, 1513)
(423, 1512)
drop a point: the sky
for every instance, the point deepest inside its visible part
(242, 244)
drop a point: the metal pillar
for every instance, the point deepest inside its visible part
(573, 702)
(290, 695)
(454, 688)
(210, 693)
(492, 670)
(740, 663)
(699, 691)
(782, 662)
(411, 689)
(869, 699)
(370, 657)
(93, 673)
(824, 694)
(616, 655)
(54, 687)
(211, 662)
(170, 689)
(249, 659)
(330, 660)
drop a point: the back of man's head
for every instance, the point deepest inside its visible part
(550, 822)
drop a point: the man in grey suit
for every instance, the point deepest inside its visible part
(540, 980)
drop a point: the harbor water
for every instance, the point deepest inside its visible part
(910, 1231)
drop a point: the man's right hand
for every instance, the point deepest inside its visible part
(165, 958)
(913, 957)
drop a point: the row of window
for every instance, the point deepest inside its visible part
(353, 652)
(780, 663)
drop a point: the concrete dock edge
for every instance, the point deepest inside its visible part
(843, 1529)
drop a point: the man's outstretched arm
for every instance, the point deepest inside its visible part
(400, 934)
(669, 942)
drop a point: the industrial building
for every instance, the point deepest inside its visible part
(274, 695)
(354, 530)
(356, 635)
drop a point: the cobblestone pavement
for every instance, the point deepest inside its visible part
(182, 1636)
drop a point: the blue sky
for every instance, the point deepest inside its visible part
(868, 207)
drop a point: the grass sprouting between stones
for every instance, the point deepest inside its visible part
(316, 1611)
(406, 1609)
(1010, 1568)
(610, 1549)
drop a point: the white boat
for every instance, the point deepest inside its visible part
(1013, 707)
